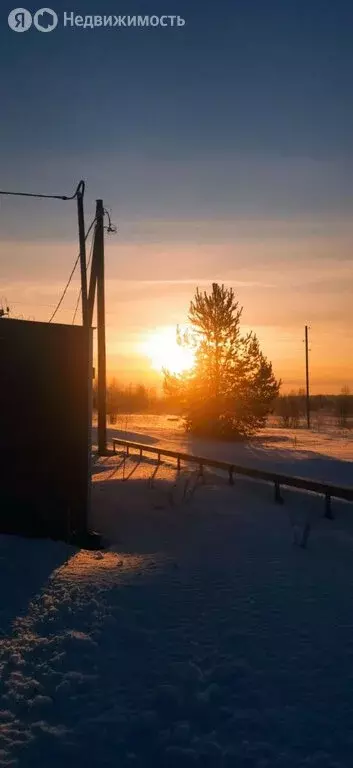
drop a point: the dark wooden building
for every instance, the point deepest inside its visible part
(45, 428)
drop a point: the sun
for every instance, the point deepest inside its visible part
(164, 351)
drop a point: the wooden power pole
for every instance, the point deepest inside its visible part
(307, 377)
(82, 240)
(97, 280)
(102, 376)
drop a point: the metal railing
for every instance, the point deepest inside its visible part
(327, 490)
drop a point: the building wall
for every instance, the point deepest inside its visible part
(45, 423)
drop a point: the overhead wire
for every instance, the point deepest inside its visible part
(80, 291)
(78, 191)
(111, 228)
(71, 275)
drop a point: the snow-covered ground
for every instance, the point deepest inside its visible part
(201, 637)
(325, 455)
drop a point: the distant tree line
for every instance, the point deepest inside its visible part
(291, 408)
(136, 398)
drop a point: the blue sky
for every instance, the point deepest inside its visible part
(210, 116)
(237, 128)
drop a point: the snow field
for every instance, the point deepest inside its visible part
(201, 637)
(325, 456)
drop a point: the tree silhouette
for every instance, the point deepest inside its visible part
(231, 388)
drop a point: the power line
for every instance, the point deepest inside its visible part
(78, 195)
(65, 289)
(111, 229)
(78, 191)
(77, 303)
(71, 276)
(80, 291)
(35, 304)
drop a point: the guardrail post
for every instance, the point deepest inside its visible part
(325, 490)
(278, 497)
(328, 508)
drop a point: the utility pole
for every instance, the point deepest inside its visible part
(307, 377)
(82, 240)
(102, 376)
(78, 195)
(96, 282)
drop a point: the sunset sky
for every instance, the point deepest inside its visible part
(224, 152)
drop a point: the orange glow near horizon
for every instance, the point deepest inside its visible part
(163, 351)
(284, 274)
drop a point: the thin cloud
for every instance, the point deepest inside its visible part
(197, 281)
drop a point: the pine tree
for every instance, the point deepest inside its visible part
(231, 388)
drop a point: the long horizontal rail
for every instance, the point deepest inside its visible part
(302, 483)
